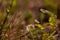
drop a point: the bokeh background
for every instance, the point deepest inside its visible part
(23, 20)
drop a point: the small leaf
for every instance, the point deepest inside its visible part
(40, 26)
(52, 20)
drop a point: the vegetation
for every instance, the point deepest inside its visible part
(19, 20)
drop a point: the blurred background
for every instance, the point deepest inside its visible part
(29, 19)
